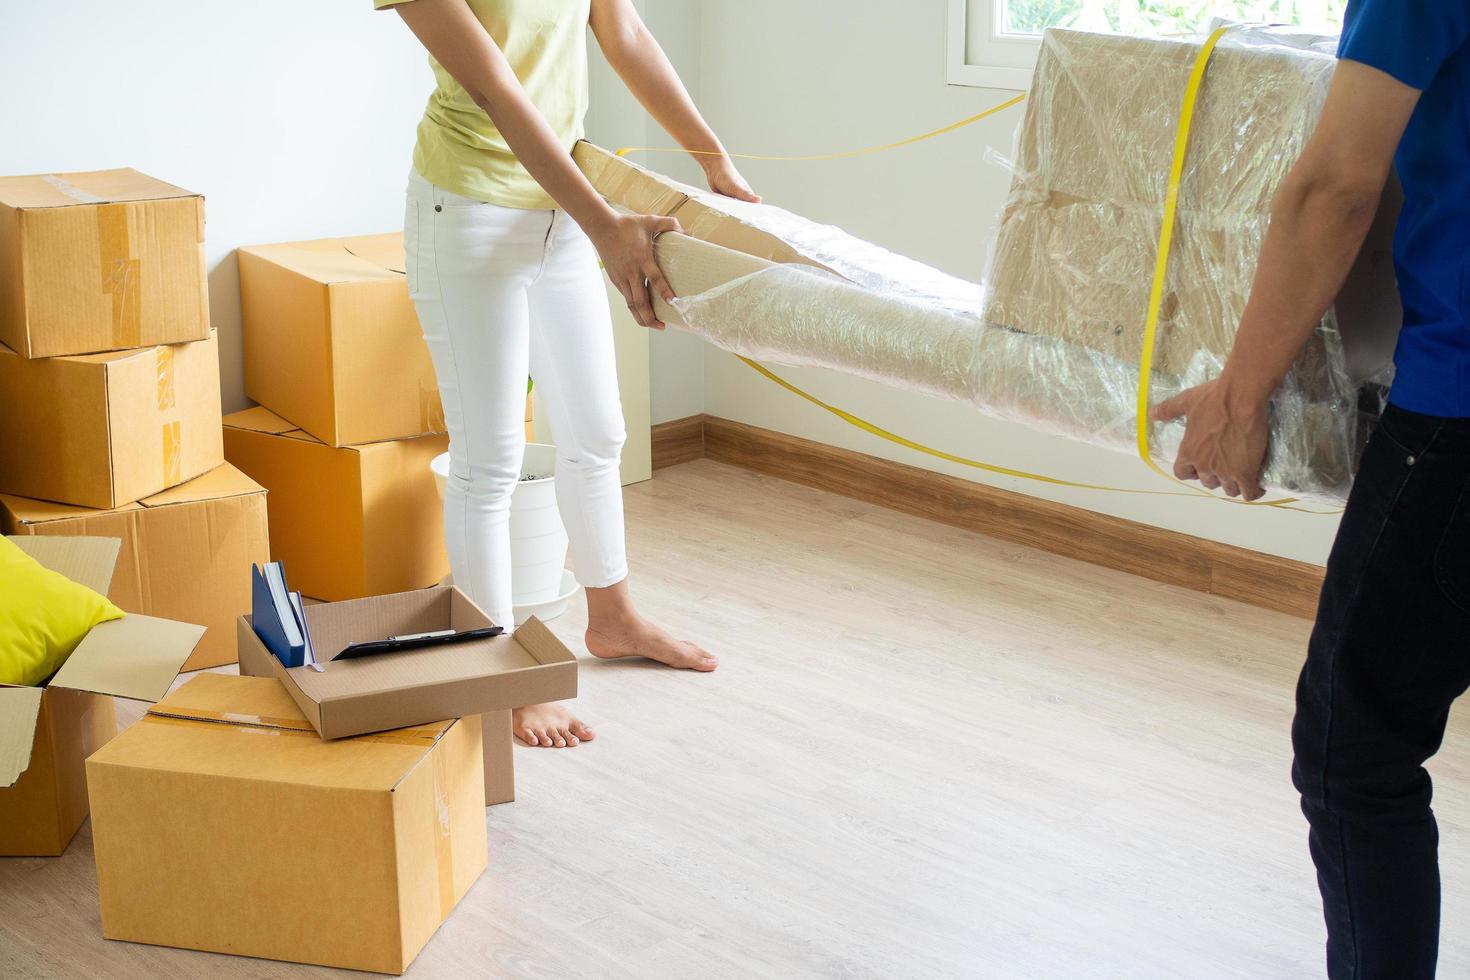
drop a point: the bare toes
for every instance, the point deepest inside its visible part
(582, 732)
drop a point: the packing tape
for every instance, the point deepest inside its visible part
(72, 190)
(443, 841)
(431, 409)
(119, 273)
(172, 429)
(267, 725)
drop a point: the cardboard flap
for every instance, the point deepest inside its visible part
(339, 260)
(86, 561)
(136, 657)
(256, 702)
(218, 484)
(540, 642)
(93, 187)
(384, 251)
(19, 708)
(24, 510)
(259, 419)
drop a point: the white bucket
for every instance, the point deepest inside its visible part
(538, 539)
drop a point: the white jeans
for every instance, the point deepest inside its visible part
(500, 293)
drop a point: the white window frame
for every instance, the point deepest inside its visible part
(980, 54)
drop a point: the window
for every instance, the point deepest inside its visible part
(993, 43)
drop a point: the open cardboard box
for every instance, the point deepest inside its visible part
(394, 690)
(47, 732)
(222, 822)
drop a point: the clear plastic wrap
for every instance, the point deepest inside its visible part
(1053, 338)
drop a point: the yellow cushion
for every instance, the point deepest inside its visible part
(43, 616)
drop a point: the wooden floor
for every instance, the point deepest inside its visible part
(927, 754)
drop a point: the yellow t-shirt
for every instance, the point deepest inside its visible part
(459, 148)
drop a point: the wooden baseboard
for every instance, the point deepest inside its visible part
(1165, 556)
(678, 441)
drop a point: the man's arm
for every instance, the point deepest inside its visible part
(459, 42)
(1319, 218)
(640, 62)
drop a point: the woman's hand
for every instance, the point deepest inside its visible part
(725, 179)
(1225, 437)
(625, 245)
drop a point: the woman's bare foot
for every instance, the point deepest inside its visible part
(640, 638)
(615, 630)
(549, 726)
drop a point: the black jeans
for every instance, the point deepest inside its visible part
(1388, 656)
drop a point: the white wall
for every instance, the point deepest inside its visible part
(825, 75)
(615, 120)
(294, 120)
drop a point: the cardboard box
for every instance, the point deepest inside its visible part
(332, 342)
(100, 261)
(492, 677)
(640, 190)
(1076, 246)
(391, 690)
(350, 521)
(349, 853)
(186, 552)
(47, 732)
(104, 430)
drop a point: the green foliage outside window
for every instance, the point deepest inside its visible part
(1166, 16)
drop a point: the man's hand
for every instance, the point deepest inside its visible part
(1225, 437)
(725, 179)
(625, 245)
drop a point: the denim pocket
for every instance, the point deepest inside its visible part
(1452, 556)
(1410, 432)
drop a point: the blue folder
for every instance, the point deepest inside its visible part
(274, 618)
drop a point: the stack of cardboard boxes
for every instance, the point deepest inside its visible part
(349, 416)
(110, 395)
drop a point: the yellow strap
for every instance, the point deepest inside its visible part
(844, 154)
(1161, 258)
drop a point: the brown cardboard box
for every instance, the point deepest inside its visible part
(186, 552)
(390, 690)
(332, 342)
(348, 522)
(104, 430)
(42, 810)
(347, 853)
(100, 261)
(47, 732)
(1076, 246)
(529, 667)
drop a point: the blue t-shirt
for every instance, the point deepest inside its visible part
(1426, 44)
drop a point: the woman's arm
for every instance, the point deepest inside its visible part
(459, 42)
(642, 65)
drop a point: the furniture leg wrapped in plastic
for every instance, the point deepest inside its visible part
(1054, 338)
